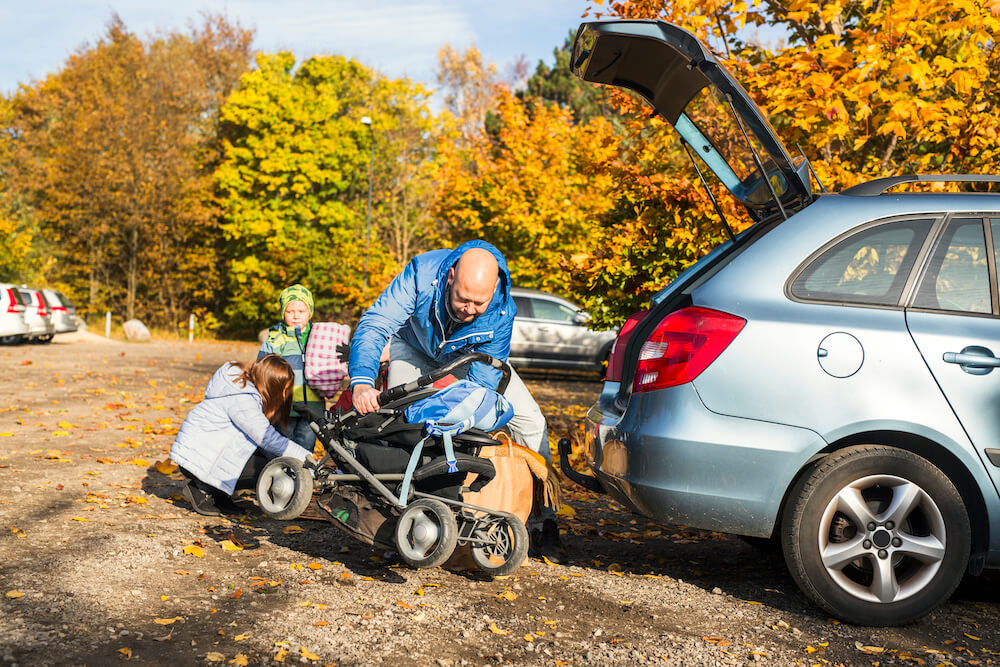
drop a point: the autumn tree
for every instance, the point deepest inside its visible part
(113, 153)
(295, 176)
(533, 187)
(467, 84)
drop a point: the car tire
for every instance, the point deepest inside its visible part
(876, 535)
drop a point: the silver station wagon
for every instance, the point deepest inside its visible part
(826, 377)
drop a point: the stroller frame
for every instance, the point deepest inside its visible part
(428, 527)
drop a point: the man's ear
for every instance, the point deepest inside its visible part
(451, 275)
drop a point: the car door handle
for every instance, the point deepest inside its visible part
(973, 359)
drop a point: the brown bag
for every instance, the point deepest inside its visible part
(371, 521)
(511, 490)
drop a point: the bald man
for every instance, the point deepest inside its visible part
(444, 304)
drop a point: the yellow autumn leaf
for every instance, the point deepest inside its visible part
(194, 550)
(127, 652)
(241, 660)
(80, 518)
(292, 530)
(280, 655)
(528, 638)
(167, 621)
(566, 510)
(14, 594)
(314, 566)
(164, 597)
(6, 434)
(242, 636)
(60, 434)
(140, 462)
(507, 595)
(972, 637)
(215, 656)
(165, 467)
(497, 631)
(229, 545)
(308, 655)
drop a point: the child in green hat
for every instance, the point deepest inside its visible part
(288, 339)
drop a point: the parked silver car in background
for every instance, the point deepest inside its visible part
(826, 376)
(37, 315)
(13, 328)
(552, 332)
(64, 317)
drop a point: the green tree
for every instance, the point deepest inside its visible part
(294, 182)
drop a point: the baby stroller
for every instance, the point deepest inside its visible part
(399, 485)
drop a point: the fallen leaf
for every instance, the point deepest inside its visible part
(194, 550)
(528, 638)
(307, 654)
(14, 594)
(292, 530)
(165, 467)
(80, 518)
(280, 655)
(973, 637)
(314, 566)
(497, 631)
(164, 597)
(215, 656)
(507, 595)
(870, 650)
(228, 545)
(404, 605)
(127, 652)
(237, 594)
(241, 637)
(241, 660)
(321, 623)
(167, 621)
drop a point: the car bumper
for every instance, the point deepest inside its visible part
(670, 458)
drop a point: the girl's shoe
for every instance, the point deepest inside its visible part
(201, 502)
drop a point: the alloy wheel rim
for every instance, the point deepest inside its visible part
(882, 538)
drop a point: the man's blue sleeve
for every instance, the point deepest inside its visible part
(386, 316)
(498, 348)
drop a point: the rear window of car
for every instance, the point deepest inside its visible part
(868, 267)
(552, 310)
(958, 276)
(523, 306)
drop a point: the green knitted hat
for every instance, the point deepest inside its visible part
(295, 293)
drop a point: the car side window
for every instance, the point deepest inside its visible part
(957, 277)
(523, 306)
(868, 267)
(552, 310)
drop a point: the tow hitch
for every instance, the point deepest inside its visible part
(586, 481)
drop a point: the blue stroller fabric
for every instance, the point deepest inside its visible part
(460, 406)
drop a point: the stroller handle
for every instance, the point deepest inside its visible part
(397, 392)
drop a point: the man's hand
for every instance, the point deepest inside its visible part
(365, 398)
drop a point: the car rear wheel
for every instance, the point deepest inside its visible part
(876, 535)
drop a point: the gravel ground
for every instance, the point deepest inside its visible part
(101, 562)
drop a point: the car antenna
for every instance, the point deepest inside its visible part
(715, 203)
(811, 170)
(756, 158)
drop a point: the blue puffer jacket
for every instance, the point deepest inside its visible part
(414, 305)
(222, 432)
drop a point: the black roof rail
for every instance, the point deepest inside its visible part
(880, 185)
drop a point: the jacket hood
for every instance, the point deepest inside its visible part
(223, 383)
(452, 259)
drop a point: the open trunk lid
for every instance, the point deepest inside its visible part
(681, 79)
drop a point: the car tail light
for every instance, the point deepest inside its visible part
(617, 356)
(43, 310)
(684, 344)
(12, 307)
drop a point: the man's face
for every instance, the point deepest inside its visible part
(468, 301)
(296, 314)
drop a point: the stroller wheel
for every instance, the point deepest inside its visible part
(284, 488)
(426, 533)
(503, 546)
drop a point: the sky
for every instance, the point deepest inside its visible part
(397, 37)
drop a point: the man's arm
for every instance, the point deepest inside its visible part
(498, 348)
(386, 316)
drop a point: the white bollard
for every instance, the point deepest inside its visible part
(107, 324)
(191, 328)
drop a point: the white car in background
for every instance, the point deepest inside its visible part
(37, 315)
(63, 311)
(13, 328)
(551, 332)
